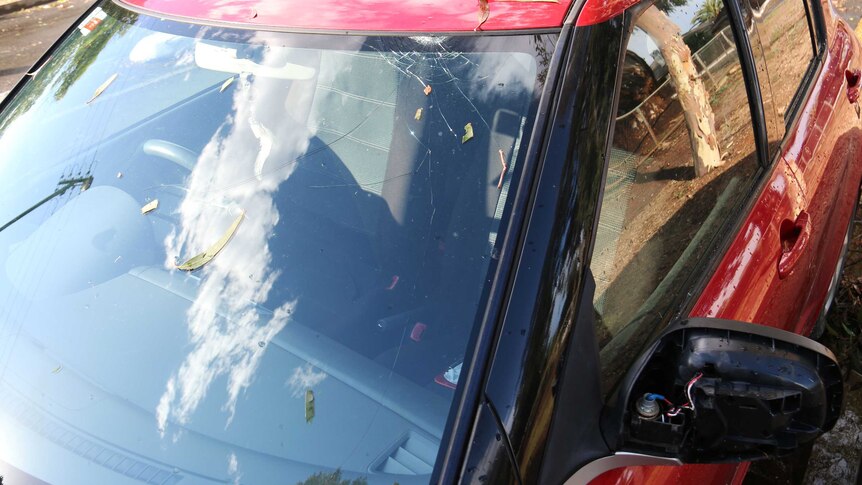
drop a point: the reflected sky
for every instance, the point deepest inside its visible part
(228, 330)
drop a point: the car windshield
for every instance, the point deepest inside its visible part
(241, 256)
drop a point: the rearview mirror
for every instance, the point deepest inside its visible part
(711, 390)
(224, 59)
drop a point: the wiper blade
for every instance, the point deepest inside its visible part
(64, 186)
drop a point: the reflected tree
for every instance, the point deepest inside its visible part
(80, 59)
(544, 52)
(693, 97)
(68, 63)
(708, 12)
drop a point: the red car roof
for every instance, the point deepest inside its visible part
(367, 15)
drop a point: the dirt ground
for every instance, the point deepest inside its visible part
(837, 456)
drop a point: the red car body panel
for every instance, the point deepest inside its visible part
(747, 285)
(816, 160)
(366, 15)
(826, 139)
(820, 154)
(597, 11)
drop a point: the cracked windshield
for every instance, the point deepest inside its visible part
(246, 257)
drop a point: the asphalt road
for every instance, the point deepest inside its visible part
(26, 35)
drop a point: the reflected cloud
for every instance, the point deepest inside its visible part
(303, 378)
(514, 72)
(233, 469)
(154, 46)
(228, 329)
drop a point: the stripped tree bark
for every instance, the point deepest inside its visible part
(699, 118)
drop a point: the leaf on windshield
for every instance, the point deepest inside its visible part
(468, 133)
(101, 89)
(484, 13)
(309, 405)
(226, 84)
(207, 256)
(418, 115)
(57, 369)
(427, 89)
(151, 206)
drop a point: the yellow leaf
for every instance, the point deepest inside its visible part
(57, 369)
(309, 405)
(207, 256)
(227, 83)
(427, 90)
(153, 205)
(418, 114)
(101, 89)
(468, 133)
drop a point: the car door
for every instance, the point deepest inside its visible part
(821, 134)
(783, 223)
(662, 232)
(618, 194)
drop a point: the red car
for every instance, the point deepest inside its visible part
(377, 242)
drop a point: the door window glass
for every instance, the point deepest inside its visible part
(683, 157)
(783, 48)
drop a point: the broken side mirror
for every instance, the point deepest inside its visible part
(711, 391)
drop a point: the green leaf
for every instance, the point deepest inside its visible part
(207, 256)
(468, 133)
(309, 405)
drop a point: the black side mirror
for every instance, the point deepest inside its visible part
(713, 390)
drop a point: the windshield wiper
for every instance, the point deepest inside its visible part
(63, 187)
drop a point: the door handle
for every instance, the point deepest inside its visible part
(853, 78)
(794, 237)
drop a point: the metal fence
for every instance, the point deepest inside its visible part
(710, 61)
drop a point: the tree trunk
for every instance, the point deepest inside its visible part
(693, 97)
